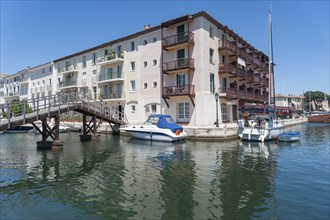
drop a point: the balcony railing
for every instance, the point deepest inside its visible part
(49, 87)
(68, 83)
(227, 45)
(242, 94)
(179, 90)
(181, 38)
(111, 95)
(185, 63)
(11, 94)
(227, 68)
(112, 76)
(111, 57)
(67, 69)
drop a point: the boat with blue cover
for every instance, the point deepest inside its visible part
(158, 127)
(289, 136)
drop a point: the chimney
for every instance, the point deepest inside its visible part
(147, 26)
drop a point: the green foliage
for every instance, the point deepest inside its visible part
(316, 97)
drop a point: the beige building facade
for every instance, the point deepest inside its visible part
(174, 68)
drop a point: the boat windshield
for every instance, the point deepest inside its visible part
(153, 120)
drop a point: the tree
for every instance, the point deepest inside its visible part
(17, 108)
(316, 98)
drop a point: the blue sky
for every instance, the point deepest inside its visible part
(36, 32)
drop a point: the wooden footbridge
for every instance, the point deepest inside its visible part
(42, 108)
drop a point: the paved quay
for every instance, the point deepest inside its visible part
(211, 133)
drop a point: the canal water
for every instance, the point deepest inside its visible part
(122, 178)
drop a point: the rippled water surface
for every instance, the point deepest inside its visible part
(122, 178)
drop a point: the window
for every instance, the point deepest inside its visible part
(84, 62)
(184, 112)
(154, 61)
(133, 108)
(154, 84)
(180, 80)
(145, 63)
(94, 59)
(147, 109)
(50, 69)
(133, 89)
(212, 86)
(132, 46)
(145, 42)
(224, 112)
(132, 66)
(74, 63)
(145, 85)
(50, 81)
(211, 56)
(154, 39)
(94, 92)
(211, 33)
(43, 71)
(153, 108)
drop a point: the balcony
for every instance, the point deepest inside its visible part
(174, 65)
(68, 84)
(42, 88)
(111, 96)
(49, 87)
(174, 41)
(67, 69)
(23, 81)
(111, 58)
(11, 95)
(228, 46)
(227, 68)
(110, 77)
(244, 94)
(179, 90)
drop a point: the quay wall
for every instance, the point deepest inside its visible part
(211, 133)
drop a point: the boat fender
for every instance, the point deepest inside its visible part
(177, 132)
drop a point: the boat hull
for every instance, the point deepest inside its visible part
(289, 136)
(166, 135)
(321, 118)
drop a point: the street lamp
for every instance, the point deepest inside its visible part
(216, 96)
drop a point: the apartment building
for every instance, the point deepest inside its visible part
(41, 81)
(174, 68)
(292, 101)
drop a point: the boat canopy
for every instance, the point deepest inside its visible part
(164, 121)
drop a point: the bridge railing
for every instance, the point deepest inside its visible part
(41, 105)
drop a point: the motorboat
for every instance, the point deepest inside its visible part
(260, 129)
(289, 136)
(158, 127)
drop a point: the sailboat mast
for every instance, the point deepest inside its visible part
(270, 58)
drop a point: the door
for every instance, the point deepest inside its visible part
(183, 112)
(180, 55)
(180, 82)
(234, 108)
(180, 32)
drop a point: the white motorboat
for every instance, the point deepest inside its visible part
(262, 129)
(157, 128)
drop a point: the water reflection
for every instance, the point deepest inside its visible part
(123, 178)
